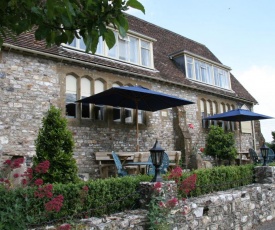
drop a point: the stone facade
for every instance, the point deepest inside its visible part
(29, 84)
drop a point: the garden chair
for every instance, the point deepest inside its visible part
(254, 157)
(120, 170)
(163, 168)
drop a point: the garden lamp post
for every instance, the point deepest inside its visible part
(264, 151)
(157, 155)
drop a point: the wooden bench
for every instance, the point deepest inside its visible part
(106, 161)
(174, 158)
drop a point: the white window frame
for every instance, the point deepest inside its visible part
(221, 80)
(103, 50)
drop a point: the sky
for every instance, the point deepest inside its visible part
(240, 33)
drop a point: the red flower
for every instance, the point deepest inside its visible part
(189, 184)
(157, 185)
(24, 182)
(17, 163)
(55, 204)
(7, 162)
(38, 182)
(64, 227)
(161, 204)
(191, 126)
(85, 188)
(202, 149)
(175, 173)
(42, 167)
(16, 175)
(172, 203)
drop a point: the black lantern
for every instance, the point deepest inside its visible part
(157, 155)
(264, 151)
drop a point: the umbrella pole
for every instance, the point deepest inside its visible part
(240, 139)
(137, 127)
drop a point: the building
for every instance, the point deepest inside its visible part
(32, 77)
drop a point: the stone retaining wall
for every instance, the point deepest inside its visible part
(235, 209)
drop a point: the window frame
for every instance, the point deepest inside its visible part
(194, 67)
(105, 51)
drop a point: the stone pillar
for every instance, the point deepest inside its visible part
(146, 190)
(265, 174)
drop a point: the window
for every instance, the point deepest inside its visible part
(98, 109)
(129, 49)
(208, 113)
(207, 73)
(246, 126)
(140, 116)
(215, 109)
(116, 110)
(71, 96)
(128, 115)
(85, 92)
(203, 115)
(209, 108)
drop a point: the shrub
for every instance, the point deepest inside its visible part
(219, 179)
(20, 209)
(55, 144)
(220, 144)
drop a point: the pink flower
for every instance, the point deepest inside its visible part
(191, 126)
(202, 149)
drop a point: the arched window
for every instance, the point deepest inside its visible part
(222, 110)
(85, 92)
(215, 111)
(98, 109)
(128, 113)
(233, 124)
(227, 123)
(116, 110)
(203, 113)
(208, 113)
(71, 96)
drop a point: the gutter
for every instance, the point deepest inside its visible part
(113, 69)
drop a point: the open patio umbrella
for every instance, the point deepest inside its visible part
(238, 115)
(135, 97)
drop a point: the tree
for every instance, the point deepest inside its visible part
(55, 144)
(220, 144)
(60, 21)
(272, 144)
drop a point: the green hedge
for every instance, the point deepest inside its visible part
(220, 178)
(19, 208)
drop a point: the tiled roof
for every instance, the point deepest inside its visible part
(167, 42)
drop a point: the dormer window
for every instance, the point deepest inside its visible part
(203, 70)
(209, 73)
(131, 48)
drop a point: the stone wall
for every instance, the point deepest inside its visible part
(30, 84)
(238, 209)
